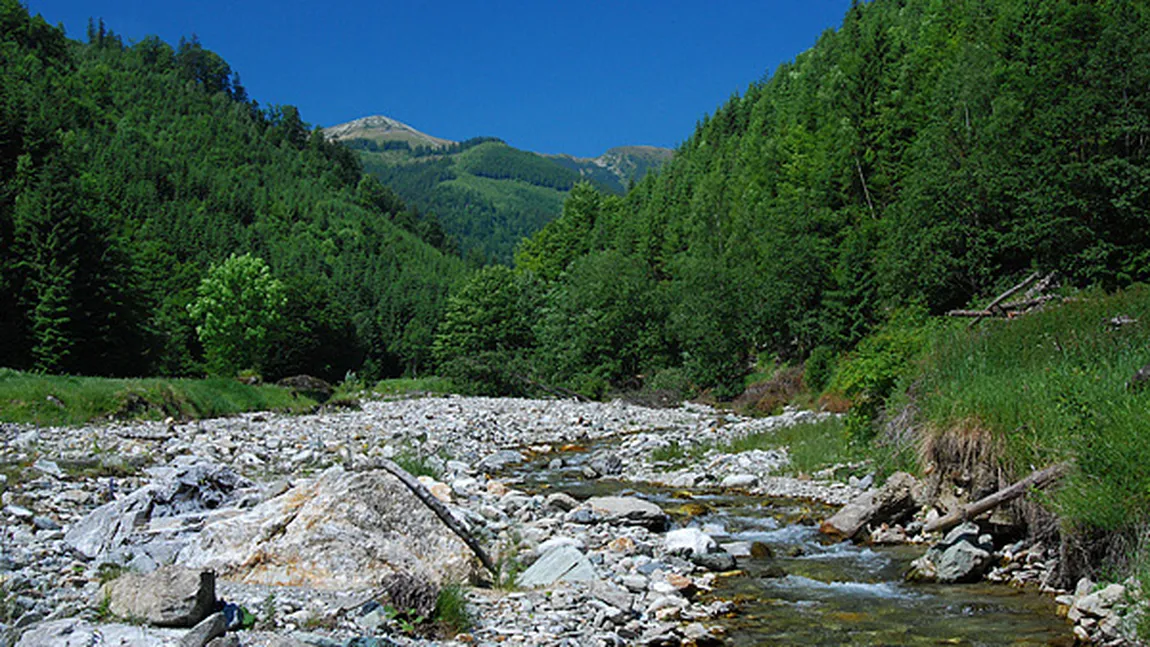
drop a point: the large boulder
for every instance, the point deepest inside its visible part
(340, 531)
(167, 597)
(188, 485)
(312, 387)
(629, 511)
(962, 556)
(895, 501)
(74, 632)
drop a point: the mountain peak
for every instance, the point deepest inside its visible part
(379, 129)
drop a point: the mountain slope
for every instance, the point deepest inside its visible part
(619, 167)
(487, 196)
(127, 172)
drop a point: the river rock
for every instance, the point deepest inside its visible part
(690, 540)
(629, 511)
(562, 564)
(562, 502)
(893, 502)
(188, 485)
(167, 597)
(606, 465)
(963, 556)
(74, 632)
(740, 481)
(342, 531)
(717, 561)
(210, 627)
(499, 460)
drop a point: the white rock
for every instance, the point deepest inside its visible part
(692, 539)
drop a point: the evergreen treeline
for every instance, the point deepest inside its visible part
(126, 173)
(926, 153)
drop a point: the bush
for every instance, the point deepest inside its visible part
(869, 374)
(818, 368)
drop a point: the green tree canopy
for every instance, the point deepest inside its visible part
(238, 304)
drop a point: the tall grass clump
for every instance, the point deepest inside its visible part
(1052, 386)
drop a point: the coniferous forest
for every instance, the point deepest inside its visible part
(128, 171)
(924, 155)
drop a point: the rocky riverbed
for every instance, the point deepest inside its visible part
(280, 509)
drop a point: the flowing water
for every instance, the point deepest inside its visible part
(833, 593)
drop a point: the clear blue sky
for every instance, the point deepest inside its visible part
(552, 76)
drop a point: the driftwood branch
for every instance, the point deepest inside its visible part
(1005, 310)
(1006, 295)
(436, 506)
(998, 308)
(1036, 480)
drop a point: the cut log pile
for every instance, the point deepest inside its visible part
(1033, 298)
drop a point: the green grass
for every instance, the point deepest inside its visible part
(1052, 387)
(451, 609)
(68, 400)
(417, 465)
(413, 386)
(811, 446)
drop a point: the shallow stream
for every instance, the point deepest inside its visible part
(832, 593)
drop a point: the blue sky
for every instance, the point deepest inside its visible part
(547, 76)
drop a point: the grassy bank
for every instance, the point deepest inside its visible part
(67, 400)
(1052, 387)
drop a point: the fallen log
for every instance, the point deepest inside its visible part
(1006, 295)
(435, 506)
(1036, 480)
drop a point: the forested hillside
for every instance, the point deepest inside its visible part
(489, 196)
(924, 154)
(128, 172)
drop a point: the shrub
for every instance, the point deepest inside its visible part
(818, 368)
(870, 373)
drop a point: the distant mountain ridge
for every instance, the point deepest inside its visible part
(619, 166)
(381, 129)
(487, 195)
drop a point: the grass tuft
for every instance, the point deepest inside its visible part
(451, 610)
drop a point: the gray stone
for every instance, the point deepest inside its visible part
(563, 564)
(629, 511)
(51, 468)
(73, 632)
(690, 540)
(342, 531)
(210, 627)
(20, 512)
(499, 460)
(45, 523)
(187, 486)
(741, 481)
(715, 561)
(637, 583)
(168, 597)
(612, 595)
(562, 501)
(962, 562)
